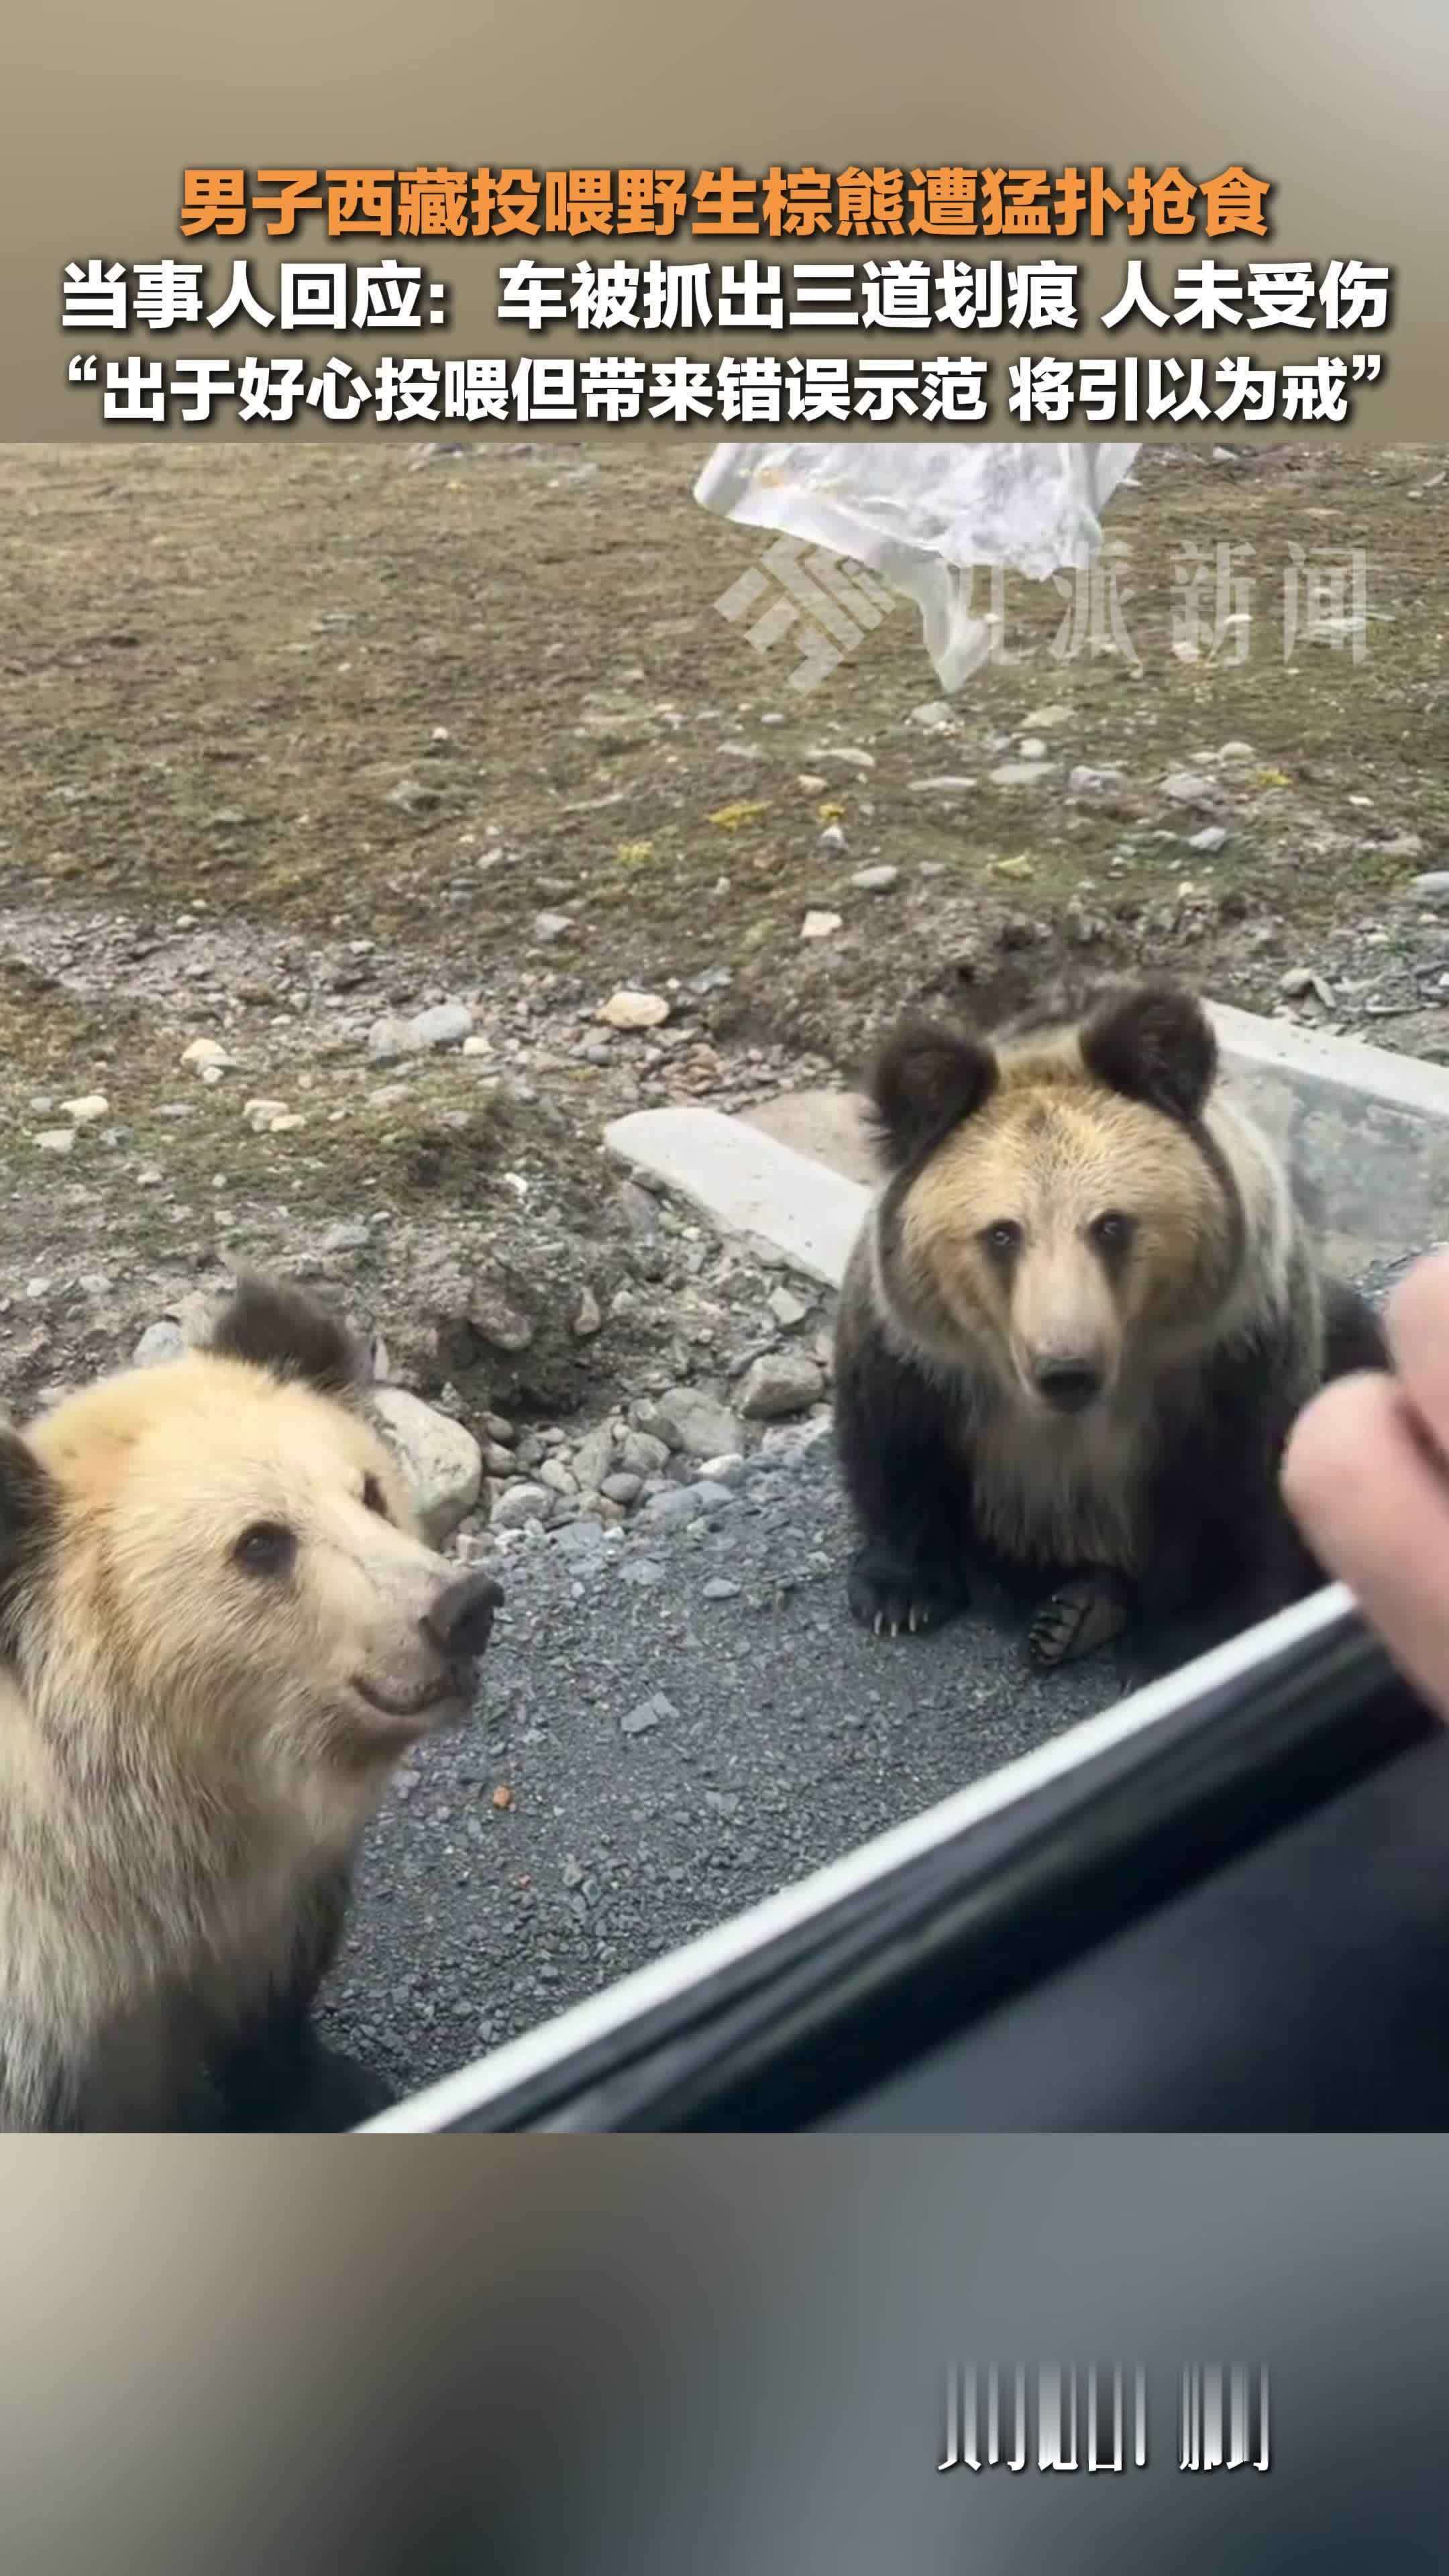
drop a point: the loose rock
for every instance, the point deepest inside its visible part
(689, 1420)
(440, 1458)
(626, 1010)
(780, 1384)
(521, 1504)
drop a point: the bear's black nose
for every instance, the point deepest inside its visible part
(1068, 1385)
(460, 1621)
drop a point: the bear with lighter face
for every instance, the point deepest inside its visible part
(1075, 1330)
(219, 1629)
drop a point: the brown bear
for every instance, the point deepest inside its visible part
(1079, 1320)
(219, 1629)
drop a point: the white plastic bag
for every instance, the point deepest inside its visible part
(921, 513)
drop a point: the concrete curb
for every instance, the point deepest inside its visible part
(747, 1183)
(1365, 1135)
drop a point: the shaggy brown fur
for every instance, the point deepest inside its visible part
(218, 1629)
(1076, 1327)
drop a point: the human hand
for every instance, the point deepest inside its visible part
(1366, 1477)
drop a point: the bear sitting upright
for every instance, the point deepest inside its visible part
(1074, 1332)
(218, 1630)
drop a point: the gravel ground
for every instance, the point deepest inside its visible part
(682, 1724)
(673, 1726)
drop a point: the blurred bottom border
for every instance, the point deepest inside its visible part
(716, 2355)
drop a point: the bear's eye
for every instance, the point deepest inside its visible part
(1112, 1231)
(1003, 1237)
(374, 1499)
(267, 1548)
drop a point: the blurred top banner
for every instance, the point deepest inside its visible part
(920, 514)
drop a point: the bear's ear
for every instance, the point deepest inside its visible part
(1155, 1043)
(277, 1329)
(925, 1080)
(29, 1511)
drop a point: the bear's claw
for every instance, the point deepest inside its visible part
(891, 1597)
(1077, 1619)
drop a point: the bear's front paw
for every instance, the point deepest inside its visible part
(1077, 1619)
(892, 1596)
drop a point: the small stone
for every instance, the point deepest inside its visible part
(628, 1010)
(812, 786)
(786, 1307)
(1209, 842)
(780, 1384)
(643, 1572)
(1433, 888)
(477, 1046)
(1021, 773)
(440, 1458)
(820, 925)
(934, 717)
(556, 1476)
(1404, 845)
(594, 1457)
(91, 1105)
(587, 1318)
(286, 1124)
(521, 1504)
(654, 1711)
(640, 1454)
(692, 1421)
(823, 755)
(1236, 751)
(583, 1540)
(495, 1321)
(1297, 981)
(159, 1342)
(258, 1114)
(56, 1140)
(350, 1236)
(1083, 781)
(549, 926)
(678, 1505)
(728, 1470)
(1189, 787)
(946, 786)
(875, 880)
(621, 1487)
(446, 1024)
(387, 1038)
(204, 1052)
(498, 1427)
(719, 1588)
